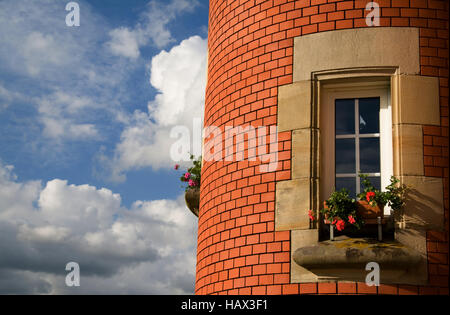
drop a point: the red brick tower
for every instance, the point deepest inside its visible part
(257, 51)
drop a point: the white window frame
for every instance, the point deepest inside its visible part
(354, 90)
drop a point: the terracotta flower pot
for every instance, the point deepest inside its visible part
(367, 212)
(192, 198)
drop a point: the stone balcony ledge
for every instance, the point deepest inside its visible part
(345, 259)
(346, 252)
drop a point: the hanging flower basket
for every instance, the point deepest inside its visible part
(192, 198)
(192, 178)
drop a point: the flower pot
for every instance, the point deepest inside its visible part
(192, 198)
(369, 213)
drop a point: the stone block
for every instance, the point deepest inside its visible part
(301, 153)
(357, 48)
(292, 204)
(300, 238)
(408, 150)
(419, 100)
(424, 208)
(294, 106)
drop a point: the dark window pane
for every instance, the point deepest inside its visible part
(345, 156)
(345, 116)
(348, 183)
(375, 181)
(369, 155)
(369, 115)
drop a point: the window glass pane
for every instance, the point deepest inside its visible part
(369, 155)
(375, 181)
(348, 183)
(345, 156)
(345, 116)
(369, 115)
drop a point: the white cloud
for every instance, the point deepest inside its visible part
(7, 97)
(148, 248)
(44, 47)
(42, 233)
(66, 73)
(41, 51)
(179, 75)
(151, 29)
(61, 114)
(79, 88)
(124, 43)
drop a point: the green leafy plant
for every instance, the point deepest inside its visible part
(393, 196)
(193, 174)
(339, 210)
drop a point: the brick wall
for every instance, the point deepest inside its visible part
(250, 54)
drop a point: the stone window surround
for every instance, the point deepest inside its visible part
(359, 60)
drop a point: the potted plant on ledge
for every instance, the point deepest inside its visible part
(372, 201)
(193, 178)
(341, 211)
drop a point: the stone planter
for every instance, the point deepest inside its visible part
(368, 213)
(192, 198)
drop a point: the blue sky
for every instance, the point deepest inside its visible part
(85, 118)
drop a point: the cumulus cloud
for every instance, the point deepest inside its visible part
(151, 29)
(179, 75)
(147, 248)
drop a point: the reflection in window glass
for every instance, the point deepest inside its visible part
(345, 116)
(369, 155)
(369, 115)
(348, 183)
(345, 156)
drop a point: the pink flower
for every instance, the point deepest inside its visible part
(311, 215)
(340, 225)
(177, 166)
(187, 175)
(192, 183)
(351, 219)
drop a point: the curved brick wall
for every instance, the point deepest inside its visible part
(250, 55)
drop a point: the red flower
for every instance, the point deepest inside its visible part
(340, 225)
(351, 219)
(370, 195)
(334, 222)
(311, 215)
(177, 166)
